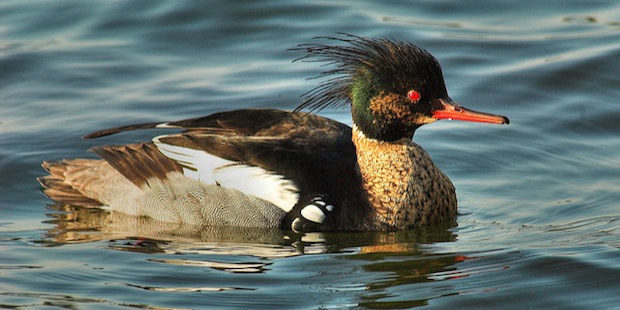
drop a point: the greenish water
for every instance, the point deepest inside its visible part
(539, 199)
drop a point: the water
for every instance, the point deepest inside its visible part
(539, 199)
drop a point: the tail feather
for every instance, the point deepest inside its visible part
(55, 188)
(96, 182)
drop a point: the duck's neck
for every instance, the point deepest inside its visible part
(404, 188)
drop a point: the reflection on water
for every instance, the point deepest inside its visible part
(387, 260)
(387, 270)
(80, 224)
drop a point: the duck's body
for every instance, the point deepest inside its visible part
(290, 170)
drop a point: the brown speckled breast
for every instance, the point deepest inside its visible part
(404, 186)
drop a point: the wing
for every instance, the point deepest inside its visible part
(279, 156)
(287, 158)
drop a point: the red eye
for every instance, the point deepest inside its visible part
(413, 95)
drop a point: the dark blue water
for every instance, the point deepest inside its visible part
(539, 199)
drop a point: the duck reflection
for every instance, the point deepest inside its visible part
(388, 259)
(73, 224)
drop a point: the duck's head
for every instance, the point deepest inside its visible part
(393, 87)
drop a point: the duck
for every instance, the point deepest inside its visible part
(290, 169)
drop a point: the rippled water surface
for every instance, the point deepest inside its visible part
(539, 199)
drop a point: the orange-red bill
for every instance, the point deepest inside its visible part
(453, 111)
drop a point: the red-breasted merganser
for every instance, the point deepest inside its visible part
(290, 169)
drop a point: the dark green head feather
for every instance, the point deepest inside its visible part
(362, 69)
(396, 66)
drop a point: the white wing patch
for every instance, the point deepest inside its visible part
(259, 182)
(165, 125)
(251, 180)
(197, 164)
